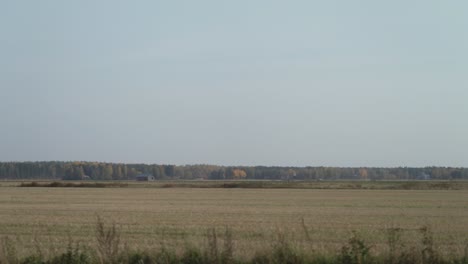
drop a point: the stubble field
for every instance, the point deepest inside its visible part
(321, 220)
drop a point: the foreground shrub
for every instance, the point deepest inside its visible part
(215, 253)
(34, 259)
(283, 251)
(8, 252)
(166, 256)
(71, 257)
(192, 255)
(356, 252)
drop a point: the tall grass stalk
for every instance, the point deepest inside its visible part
(108, 241)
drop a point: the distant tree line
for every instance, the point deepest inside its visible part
(120, 171)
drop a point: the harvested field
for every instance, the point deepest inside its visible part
(152, 217)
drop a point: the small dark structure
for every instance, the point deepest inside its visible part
(424, 176)
(145, 177)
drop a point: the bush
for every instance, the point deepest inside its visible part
(73, 255)
(139, 258)
(8, 252)
(429, 253)
(33, 260)
(165, 256)
(356, 252)
(192, 255)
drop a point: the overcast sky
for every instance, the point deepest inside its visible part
(245, 82)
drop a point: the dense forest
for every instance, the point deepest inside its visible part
(120, 171)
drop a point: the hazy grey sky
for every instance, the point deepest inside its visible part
(340, 83)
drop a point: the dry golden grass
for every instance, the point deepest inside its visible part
(148, 217)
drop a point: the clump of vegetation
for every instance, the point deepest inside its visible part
(395, 245)
(429, 253)
(356, 251)
(73, 255)
(215, 252)
(73, 184)
(8, 253)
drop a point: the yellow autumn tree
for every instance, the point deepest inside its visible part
(363, 174)
(238, 174)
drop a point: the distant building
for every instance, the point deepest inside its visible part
(424, 176)
(145, 177)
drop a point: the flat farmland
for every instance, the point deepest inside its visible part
(172, 217)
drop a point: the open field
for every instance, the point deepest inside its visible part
(150, 217)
